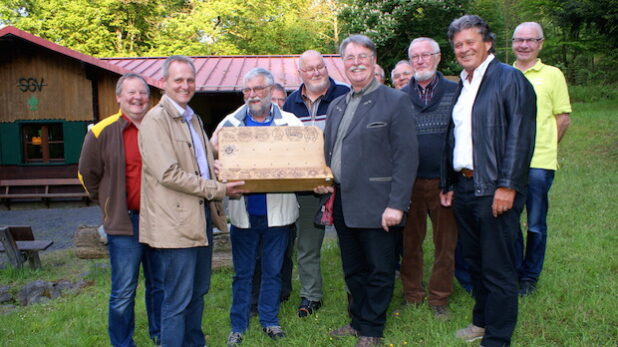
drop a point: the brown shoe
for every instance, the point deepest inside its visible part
(366, 341)
(344, 331)
(440, 312)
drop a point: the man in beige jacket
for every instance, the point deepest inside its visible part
(181, 200)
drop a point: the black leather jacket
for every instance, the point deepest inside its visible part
(503, 132)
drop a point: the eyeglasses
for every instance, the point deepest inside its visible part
(361, 58)
(403, 74)
(519, 41)
(311, 70)
(423, 56)
(256, 90)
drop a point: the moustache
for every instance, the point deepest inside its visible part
(358, 68)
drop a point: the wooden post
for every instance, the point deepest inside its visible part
(10, 247)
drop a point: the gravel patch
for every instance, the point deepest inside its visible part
(56, 224)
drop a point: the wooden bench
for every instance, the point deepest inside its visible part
(20, 246)
(42, 188)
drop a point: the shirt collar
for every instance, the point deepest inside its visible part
(536, 67)
(304, 92)
(186, 113)
(430, 86)
(479, 72)
(373, 85)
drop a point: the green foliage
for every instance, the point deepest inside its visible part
(165, 27)
(392, 24)
(580, 35)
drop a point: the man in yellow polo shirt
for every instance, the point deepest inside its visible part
(552, 121)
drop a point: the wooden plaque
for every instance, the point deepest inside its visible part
(274, 159)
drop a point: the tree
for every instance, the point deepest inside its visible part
(241, 27)
(165, 27)
(391, 24)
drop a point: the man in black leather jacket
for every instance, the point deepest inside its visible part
(485, 175)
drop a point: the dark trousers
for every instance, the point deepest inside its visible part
(286, 271)
(426, 201)
(489, 249)
(368, 257)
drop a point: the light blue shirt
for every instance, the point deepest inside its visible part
(198, 146)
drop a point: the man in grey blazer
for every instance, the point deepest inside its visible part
(370, 144)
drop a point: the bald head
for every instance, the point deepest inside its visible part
(313, 72)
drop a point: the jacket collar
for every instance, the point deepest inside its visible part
(241, 113)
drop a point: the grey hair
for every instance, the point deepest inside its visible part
(471, 21)
(434, 45)
(128, 76)
(360, 40)
(401, 62)
(535, 25)
(258, 71)
(279, 87)
(178, 58)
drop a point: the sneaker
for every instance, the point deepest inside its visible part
(526, 288)
(367, 341)
(344, 331)
(234, 339)
(440, 312)
(275, 332)
(470, 333)
(308, 307)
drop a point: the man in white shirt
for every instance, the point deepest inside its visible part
(485, 175)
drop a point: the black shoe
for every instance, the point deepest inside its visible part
(526, 288)
(275, 332)
(307, 307)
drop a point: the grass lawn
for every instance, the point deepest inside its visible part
(576, 303)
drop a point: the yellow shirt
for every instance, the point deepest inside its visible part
(552, 98)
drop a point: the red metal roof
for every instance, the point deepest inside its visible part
(225, 73)
(12, 31)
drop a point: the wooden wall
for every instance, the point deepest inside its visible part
(107, 95)
(36, 83)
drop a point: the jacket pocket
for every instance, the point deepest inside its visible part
(376, 125)
(380, 179)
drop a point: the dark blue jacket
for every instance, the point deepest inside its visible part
(296, 105)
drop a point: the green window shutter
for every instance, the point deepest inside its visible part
(74, 133)
(10, 144)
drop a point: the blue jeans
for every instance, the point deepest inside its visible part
(125, 255)
(186, 274)
(530, 261)
(245, 243)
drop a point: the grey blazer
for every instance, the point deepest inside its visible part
(379, 155)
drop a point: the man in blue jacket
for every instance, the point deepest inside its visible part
(485, 176)
(309, 103)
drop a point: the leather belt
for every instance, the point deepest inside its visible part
(467, 173)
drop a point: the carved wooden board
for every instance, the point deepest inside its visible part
(274, 159)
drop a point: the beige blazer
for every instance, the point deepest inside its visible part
(173, 193)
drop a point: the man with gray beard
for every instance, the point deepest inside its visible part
(433, 97)
(260, 222)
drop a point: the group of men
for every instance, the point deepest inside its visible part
(458, 153)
